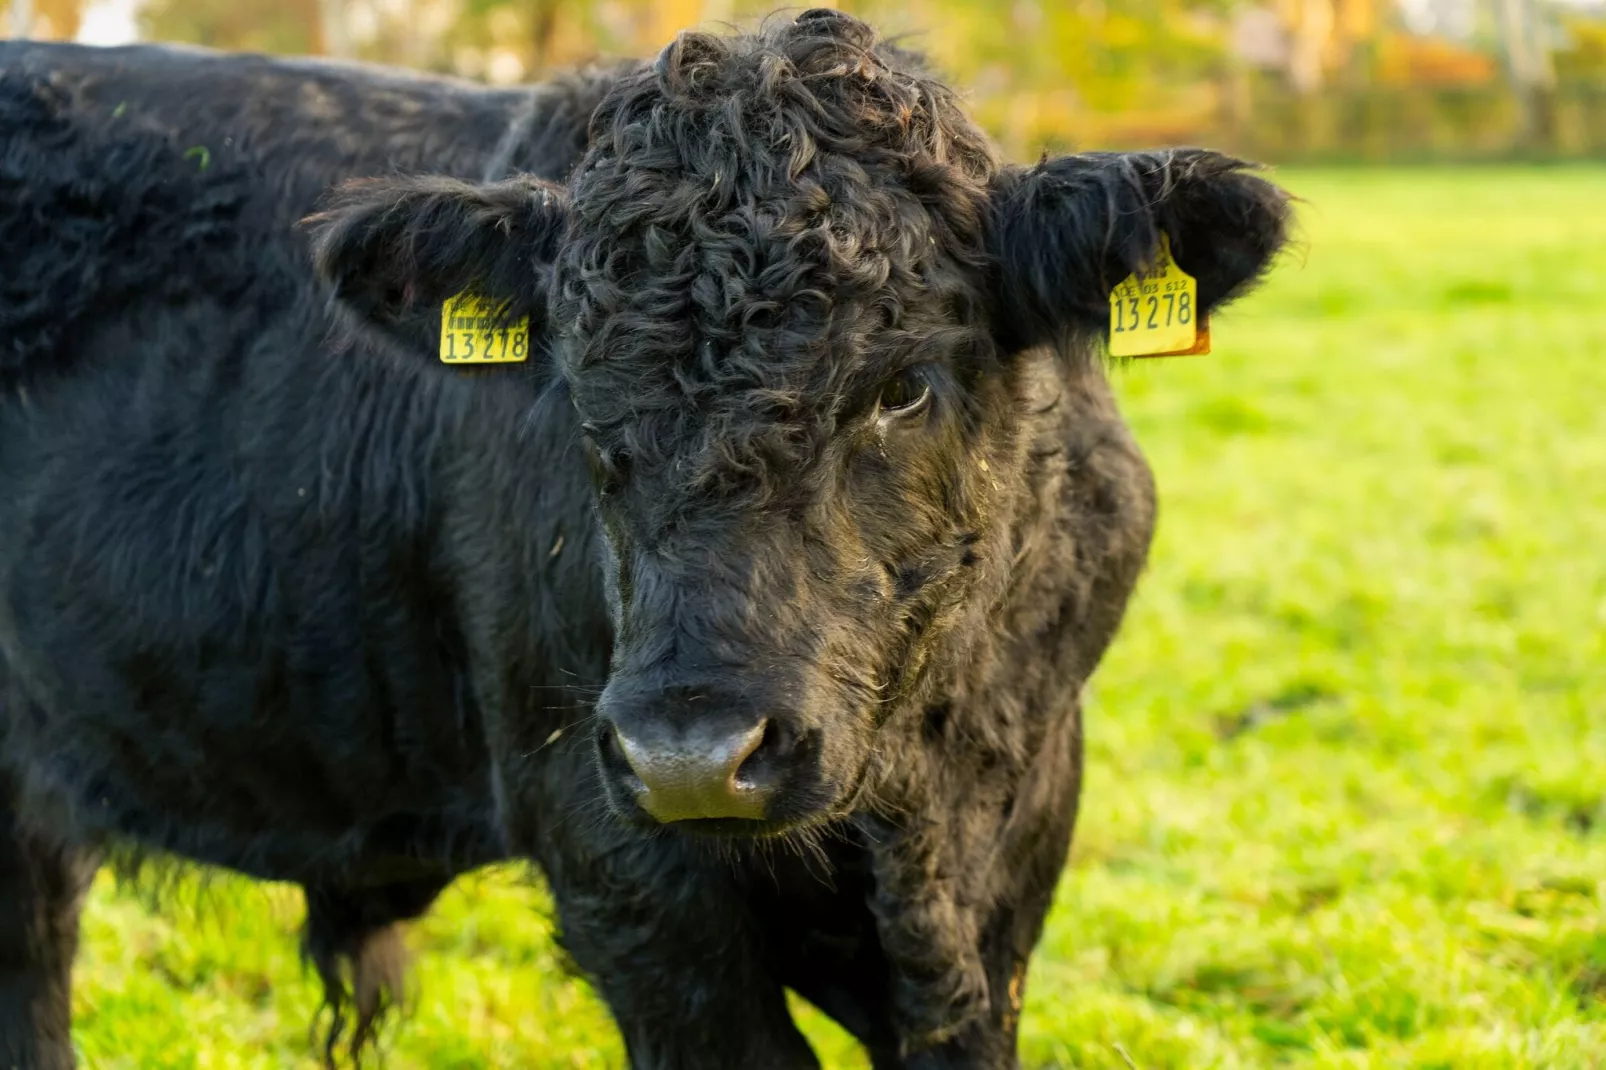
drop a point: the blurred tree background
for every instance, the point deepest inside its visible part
(1281, 79)
(1384, 80)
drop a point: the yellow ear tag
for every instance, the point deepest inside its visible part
(472, 332)
(1155, 313)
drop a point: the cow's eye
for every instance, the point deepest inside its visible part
(905, 393)
(609, 468)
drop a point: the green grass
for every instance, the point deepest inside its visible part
(1346, 797)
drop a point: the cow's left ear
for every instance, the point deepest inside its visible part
(393, 249)
(1063, 234)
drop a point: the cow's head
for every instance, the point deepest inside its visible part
(790, 291)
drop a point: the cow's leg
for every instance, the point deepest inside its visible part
(42, 888)
(990, 1040)
(1023, 856)
(832, 957)
(858, 989)
(662, 929)
(924, 978)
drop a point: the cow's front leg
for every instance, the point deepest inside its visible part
(987, 1041)
(900, 1002)
(962, 893)
(663, 931)
(42, 888)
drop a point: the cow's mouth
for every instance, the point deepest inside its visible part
(731, 828)
(718, 828)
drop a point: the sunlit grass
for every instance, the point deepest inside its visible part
(1347, 762)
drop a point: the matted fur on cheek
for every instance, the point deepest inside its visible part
(908, 502)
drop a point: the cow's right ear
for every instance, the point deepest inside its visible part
(1063, 234)
(393, 249)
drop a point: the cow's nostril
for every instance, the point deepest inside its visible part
(613, 757)
(750, 748)
(760, 767)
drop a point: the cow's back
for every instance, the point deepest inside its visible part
(261, 140)
(310, 123)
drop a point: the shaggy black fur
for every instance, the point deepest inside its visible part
(816, 439)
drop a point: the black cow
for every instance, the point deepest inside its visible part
(813, 473)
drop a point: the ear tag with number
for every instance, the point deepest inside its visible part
(1155, 312)
(473, 332)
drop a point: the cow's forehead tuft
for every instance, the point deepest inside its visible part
(770, 100)
(752, 210)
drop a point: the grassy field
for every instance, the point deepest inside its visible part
(1346, 803)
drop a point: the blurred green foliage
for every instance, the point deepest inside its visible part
(1279, 79)
(286, 26)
